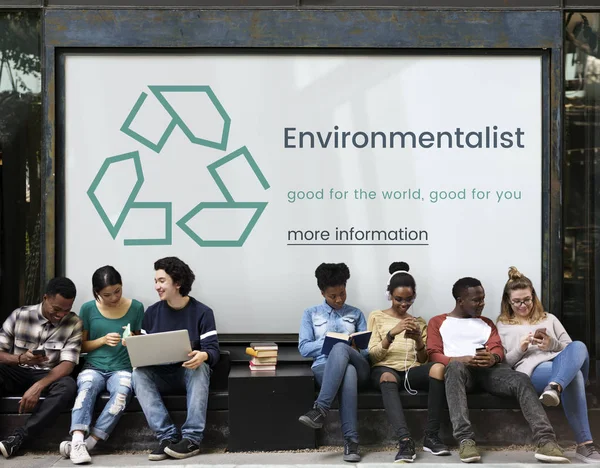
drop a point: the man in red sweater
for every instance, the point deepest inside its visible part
(470, 348)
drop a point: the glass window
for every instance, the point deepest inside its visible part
(20, 153)
(581, 176)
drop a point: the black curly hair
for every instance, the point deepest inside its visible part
(61, 285)
(332, 274)
(179, 272)
(401, 279)
(463, 284)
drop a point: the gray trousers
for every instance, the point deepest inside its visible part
(499, 380)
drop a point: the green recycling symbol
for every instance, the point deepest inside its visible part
(132, 203)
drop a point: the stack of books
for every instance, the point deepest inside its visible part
(264, 356)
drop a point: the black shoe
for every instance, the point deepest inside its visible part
(314, 418)
(351, 451)
(433, 444)
(11, 445)
(407, 451)
(159, 453)
(184, 449)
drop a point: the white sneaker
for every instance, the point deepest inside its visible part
(550, 395)
(79, 453)
(65, 448)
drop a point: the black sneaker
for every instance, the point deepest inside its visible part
(184, 449)
(351, 451)
(314, 418)
(407, 451)
(433, 444)
(159, 453)
(11, 445)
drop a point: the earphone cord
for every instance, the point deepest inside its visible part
(407, 387)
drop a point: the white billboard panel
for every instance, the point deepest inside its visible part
(254, 169)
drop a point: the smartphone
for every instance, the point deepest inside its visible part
(481, 348)
(39, 352)
(539, 333)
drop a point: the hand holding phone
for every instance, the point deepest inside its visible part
(539, 334)
(483, 358)
(39, 352)
(412, 332)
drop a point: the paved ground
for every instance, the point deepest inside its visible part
(329, 459)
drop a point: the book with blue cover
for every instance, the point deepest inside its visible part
(360, 339)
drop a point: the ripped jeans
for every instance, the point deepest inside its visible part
(90, 383)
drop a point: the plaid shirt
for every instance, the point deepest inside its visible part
(27, 328)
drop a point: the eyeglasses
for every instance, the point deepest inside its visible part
(526, 301)
(401, 300)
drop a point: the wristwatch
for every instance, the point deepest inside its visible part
(389, 337)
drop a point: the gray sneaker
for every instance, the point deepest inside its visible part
(65, 448)
(550, 396)
(588, 453)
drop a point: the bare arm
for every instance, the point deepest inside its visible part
(32, 395)
(9, 359)
(110, 339)
(26, 358)
(88, 345)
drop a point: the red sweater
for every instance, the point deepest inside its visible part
(435, 342)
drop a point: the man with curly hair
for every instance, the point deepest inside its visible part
(177, 310)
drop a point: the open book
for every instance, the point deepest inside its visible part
(361, 340)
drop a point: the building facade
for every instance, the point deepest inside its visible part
(36, 36)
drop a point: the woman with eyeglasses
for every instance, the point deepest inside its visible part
(399, 357)
(538, 345)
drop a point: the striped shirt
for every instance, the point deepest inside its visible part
(27, 329)
(401, 354)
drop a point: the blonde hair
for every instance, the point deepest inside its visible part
(517, 280)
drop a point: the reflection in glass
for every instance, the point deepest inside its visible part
(20, 153)
(581, 177)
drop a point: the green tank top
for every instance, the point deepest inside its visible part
(109, 358)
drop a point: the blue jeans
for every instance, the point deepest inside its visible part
(341, 375)
(149, 382)
(569, 369)
(90, 383)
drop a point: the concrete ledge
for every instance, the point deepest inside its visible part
(492, 428)
(132, 432)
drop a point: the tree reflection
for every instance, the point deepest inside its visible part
(20, 157)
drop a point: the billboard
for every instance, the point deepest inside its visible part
(256, 168)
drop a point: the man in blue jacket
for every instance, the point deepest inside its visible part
(176, 310)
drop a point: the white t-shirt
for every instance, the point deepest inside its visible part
(462, 336)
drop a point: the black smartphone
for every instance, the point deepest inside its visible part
(482, 348)
(39, 352)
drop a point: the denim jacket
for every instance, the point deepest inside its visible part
(320, 319)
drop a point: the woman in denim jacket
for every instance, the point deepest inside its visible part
(344, 369)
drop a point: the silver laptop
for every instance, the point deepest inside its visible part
(159, 348)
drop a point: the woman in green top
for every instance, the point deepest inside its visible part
(107, 365)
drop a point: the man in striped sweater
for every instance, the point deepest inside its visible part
(470, 348)
(176, 310)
